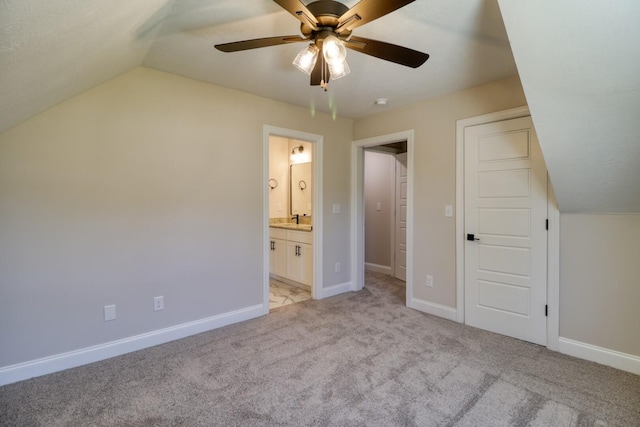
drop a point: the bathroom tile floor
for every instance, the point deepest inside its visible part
(281, 294)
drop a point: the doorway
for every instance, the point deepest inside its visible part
(306, 246)
(385, 209)
(357, 206)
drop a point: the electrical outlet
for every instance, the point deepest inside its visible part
(429, 280)
(109, 312)
(158, 303)
(336, 208)
(337, 267)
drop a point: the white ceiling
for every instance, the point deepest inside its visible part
(52, 50)
(579, 62)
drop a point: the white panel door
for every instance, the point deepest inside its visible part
(505, 230)
(401, 217)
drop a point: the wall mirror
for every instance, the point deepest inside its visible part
(300, 189)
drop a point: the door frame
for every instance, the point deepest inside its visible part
(316, 172)
(553, 234)
(357, 205)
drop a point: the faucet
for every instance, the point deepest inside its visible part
(297, 218)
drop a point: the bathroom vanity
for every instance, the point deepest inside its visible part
(291, 253)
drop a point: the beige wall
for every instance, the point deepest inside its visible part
(121, 194)
(434, 123)
(600, 280)
(379, 187)
(150, 184)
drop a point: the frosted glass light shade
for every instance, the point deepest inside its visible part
(306, 59)
(333, 50)
(339, 69)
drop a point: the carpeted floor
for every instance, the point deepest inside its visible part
(359, 359)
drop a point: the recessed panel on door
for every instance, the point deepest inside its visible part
(504, 259)
(506, 297)
(503, 183)
(504, 146)
(504, 222)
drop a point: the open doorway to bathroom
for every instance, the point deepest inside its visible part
(292, 217)
(290, 221)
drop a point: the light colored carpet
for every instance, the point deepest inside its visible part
(360, 359)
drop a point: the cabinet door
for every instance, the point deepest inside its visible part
(306, 259)
(278, 257)
(300, 262)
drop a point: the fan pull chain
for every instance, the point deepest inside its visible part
(323, 83)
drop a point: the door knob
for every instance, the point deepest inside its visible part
(472, 237)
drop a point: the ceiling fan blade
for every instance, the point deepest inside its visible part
(317, 75)
(387, 51)
(300, 11)
(366, 11)
(257, 43)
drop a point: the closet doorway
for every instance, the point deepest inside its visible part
(385, 209)
(358, 207)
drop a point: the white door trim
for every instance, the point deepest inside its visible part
(553, 235)
(357, 205)
(317, 165)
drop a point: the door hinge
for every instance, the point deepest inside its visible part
(546, 224)
(546, 311)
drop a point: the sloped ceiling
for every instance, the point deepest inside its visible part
(52, 50)
(579, 63)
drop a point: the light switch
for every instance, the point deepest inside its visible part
(336, 208)
(378, 206)
(448, 211)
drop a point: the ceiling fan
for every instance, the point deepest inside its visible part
(327, 25)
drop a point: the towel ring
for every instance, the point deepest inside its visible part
(273, 183)
(302, 184)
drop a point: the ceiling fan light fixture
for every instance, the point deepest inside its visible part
(306, 59)
(339, 69)
(333, 50)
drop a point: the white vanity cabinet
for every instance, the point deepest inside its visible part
(277, 251)
(291, 255)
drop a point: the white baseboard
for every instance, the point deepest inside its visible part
(449, 313)
(334, 290)
(384, 269)
(72, 359)
(604, 356)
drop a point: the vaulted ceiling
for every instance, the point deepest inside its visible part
(51, 50)
(578, 60)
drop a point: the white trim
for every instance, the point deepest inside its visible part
(384, 269)
(340, 288)
(439, 310)
(553, 235)
(357, 205)
(83, 356)
(317, 291)
(553, 269)
(604, 356)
